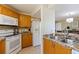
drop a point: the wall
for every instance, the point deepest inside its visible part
(73, 25)
(47, 21)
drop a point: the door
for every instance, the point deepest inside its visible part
(36, 32)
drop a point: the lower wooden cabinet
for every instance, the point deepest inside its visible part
(2, 46)
(51, 47)
(26, 40)
(60, 49)
(48, 46)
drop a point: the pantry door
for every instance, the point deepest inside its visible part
(36, 32)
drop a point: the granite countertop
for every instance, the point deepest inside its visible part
(74, 46)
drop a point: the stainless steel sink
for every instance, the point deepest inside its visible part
(69, 40)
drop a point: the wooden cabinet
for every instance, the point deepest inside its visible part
(59, 49)
(26, 40)
(51, 47)
(25, 21)
(2, 46)
(28, 21)
(7, 11)
(48, 46)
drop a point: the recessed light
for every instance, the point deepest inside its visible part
(69, 20)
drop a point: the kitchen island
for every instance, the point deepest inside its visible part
(56, 45)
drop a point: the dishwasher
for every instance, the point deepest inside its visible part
(75, 51)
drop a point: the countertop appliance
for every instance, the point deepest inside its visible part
(23, 29)
(16, 31)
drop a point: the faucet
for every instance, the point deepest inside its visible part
(66, 32)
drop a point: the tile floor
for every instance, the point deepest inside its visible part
(31, 50)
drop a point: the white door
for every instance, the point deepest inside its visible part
(36, 33)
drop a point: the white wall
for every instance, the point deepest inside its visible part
(47, 21)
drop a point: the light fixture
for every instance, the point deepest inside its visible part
(70, 13)
(69, 20)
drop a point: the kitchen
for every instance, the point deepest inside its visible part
(65, 38)
(16, 36)
(39, 29)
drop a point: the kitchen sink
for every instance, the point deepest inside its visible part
(68, 40)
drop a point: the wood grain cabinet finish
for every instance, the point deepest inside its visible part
(60, 49)
(51, 47)
(26, 40)
(7, 11)
(25, 21)
(2, 46)
(48, 46)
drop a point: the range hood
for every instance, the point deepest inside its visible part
(7, 20)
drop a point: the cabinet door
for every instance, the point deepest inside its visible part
(25, 21)
(26, 40)
(45, 46)
(48, 46)
(8, 12)
(2, 46)
(28, 21)
(22, 21)
(59, 49)
(0, 9)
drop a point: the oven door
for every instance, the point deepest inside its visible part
(12, 43)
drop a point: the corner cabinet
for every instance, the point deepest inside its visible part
(51, 47)
(25, 21)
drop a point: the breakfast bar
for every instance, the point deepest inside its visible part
(58, 45)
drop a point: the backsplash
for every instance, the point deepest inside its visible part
(5, 27)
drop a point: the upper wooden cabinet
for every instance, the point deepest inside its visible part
(7, 11)
(25, 21)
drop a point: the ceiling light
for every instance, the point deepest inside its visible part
(70, 13)
(69, 20)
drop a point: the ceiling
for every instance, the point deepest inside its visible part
(61, 10)
(29, 9)
(66, 10)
